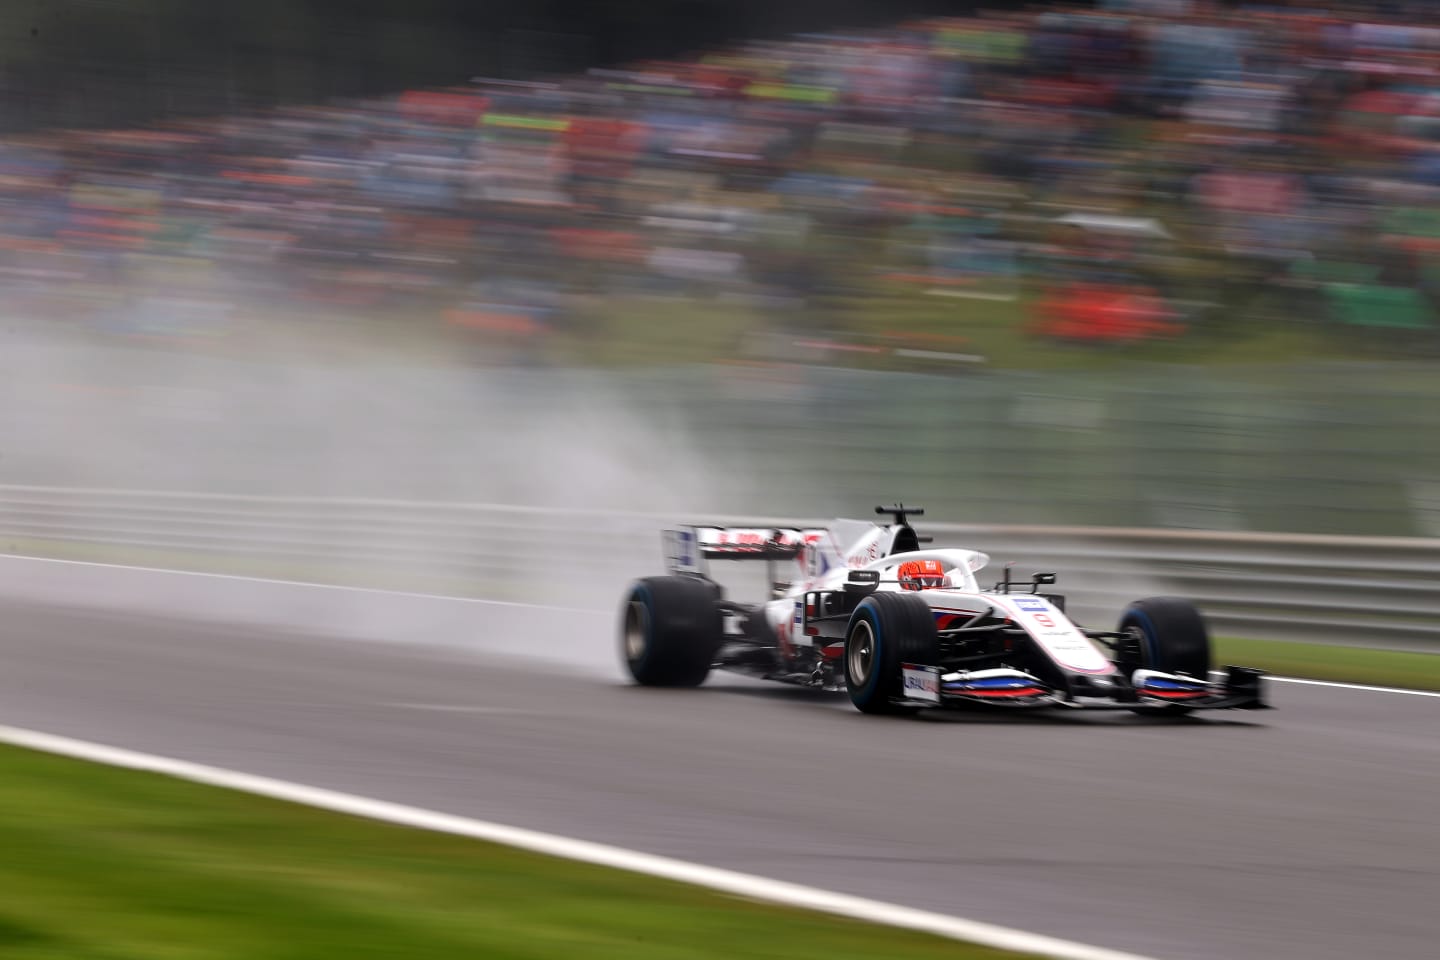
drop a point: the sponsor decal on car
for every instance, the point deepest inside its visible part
(1057, 636)
(921, 682)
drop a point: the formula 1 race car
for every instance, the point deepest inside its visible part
(863, 607)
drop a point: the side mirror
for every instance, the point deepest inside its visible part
(1044, 578)
(861, 582)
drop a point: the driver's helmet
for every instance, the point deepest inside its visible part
(922, 575)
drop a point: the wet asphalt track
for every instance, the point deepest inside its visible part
(1304, 832)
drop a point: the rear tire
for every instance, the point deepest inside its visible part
(885, 631)
(670, 628)
(1166, 634)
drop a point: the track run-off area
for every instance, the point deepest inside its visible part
(1302, 832)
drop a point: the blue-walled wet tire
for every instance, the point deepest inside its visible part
(670, 629)
(1166, 634)
(885, 631)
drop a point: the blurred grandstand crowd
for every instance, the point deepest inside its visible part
(1144, 168)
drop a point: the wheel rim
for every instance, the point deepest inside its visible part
(635, 630)
(860, 653)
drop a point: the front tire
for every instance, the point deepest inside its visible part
(1166, 634)
(670, 628)
(885, 631)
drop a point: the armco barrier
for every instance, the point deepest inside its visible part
(1337, 448)
(1378, 591)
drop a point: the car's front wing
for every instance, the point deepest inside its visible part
(1234, 688)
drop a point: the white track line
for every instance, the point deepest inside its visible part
(728, 881)
(1356, 686)
(240, 578)
(461, 708)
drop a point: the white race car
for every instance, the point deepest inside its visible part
(866, 607)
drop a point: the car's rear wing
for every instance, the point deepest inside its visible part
(688, 548)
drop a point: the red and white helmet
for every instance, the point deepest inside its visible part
(921, 575)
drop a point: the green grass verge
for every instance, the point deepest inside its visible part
(638, 332)
(1385, 668)
(108, 864)
(631, 332)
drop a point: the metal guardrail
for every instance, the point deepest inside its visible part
(1365, 591)
(1377, 591)
(1334, 448)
